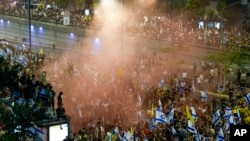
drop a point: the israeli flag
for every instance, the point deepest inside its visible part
(23, 60)
(160, 116)
(216, 117)
(220, 135)
(193, 113)
(161, 83)
(38, 132)
(247, 97)
(191, 127)
(152, 124)
(127, 136)
(231, 120)
(115, 131)
(170, 116)
(228, 112)
(203, 96)
(198, 137)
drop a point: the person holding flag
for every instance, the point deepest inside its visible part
(189, 116)
(160, 117)
(216, 117)
(203, 96)
(220, 135)
(193, 113)
(170, 116)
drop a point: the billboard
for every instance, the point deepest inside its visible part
(58, 132)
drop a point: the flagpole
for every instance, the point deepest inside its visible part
(29, 19)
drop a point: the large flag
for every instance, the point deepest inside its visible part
(170, 117)
(220, 135)
(203, 96)
(160, 116)
(216, 117)
(189, 116)
(193, 113)
(228, 112)
(191, 127)
(247, 97)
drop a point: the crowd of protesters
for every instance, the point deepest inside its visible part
(172, 85)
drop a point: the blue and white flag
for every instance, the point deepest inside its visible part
(37, 132)
(115, 131)
(170, 116)
(220, 135)
(216, 117)
(23, 60)
(161, 83)
(228, 112)
(247, 97)
(191, 127)
(152, 124)
(231, 119)
(203, 96)
(198, 137)
(126, 136)
(193, 113)
(160, 117)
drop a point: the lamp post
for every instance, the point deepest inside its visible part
(29, 19)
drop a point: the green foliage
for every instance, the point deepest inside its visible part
(221, 4)
(195, 9)
(230, 57)
(20, 118)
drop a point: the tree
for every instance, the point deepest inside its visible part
(18, 120)
(195, 8)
